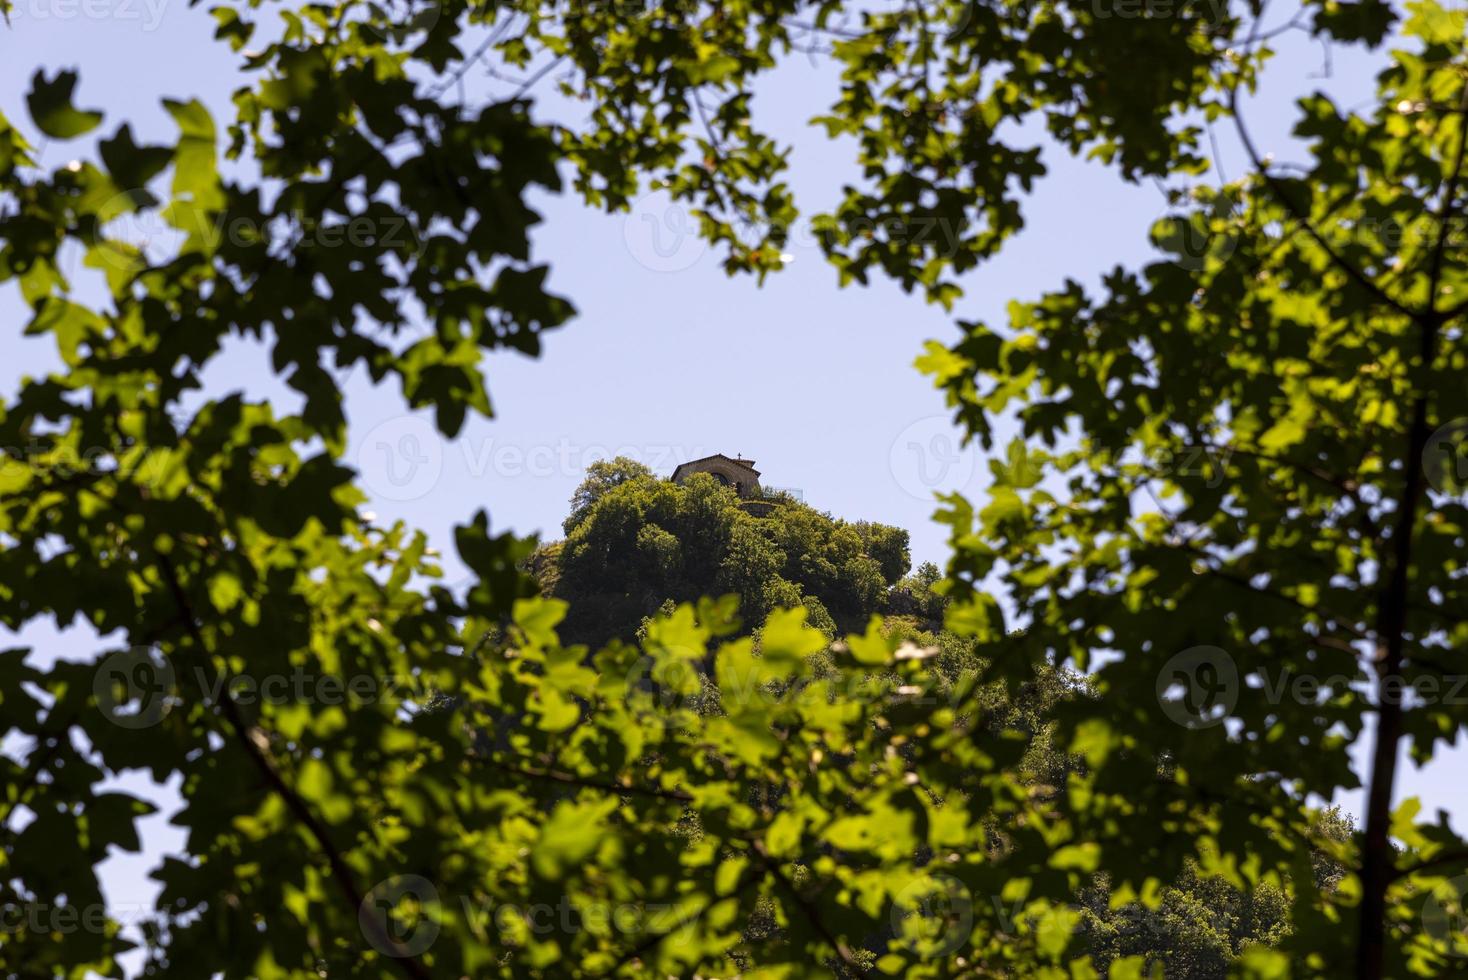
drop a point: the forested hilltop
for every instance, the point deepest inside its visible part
(636, 543)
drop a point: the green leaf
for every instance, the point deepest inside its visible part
(131, 165)
(51, 108)
(874, 647)
(195, 168)
(570, 835)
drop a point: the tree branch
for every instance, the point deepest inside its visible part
(1345, 486)
(1437, 861)
(569, 779)
(246, 736)
(809, 909)
(1376, 867)
(1244, 583)
(652, 942)
(1273, 183)
(37, 763)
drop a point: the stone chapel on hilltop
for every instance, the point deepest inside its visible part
(735, 472)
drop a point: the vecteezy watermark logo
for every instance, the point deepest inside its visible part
(134, 688)
(665, 689)
(1205, 465)
(147, 14)
(933, 916)
(564, 458)
(137, 231)
(662, 234)
(401, 916)
(1193, 239)
(928, 457)
(94, 918)
(397, 20)
(1198, 687)
(1204, 11)
(1445, 458)
(1444, 917)
(401, 459)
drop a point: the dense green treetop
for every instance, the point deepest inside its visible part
(634, 542)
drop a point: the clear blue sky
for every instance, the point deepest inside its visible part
(814, 383)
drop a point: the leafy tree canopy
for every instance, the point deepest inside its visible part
(1313, 346)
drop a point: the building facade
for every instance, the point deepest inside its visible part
(733, 472)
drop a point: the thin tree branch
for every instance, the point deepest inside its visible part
(1363, 280)
(569, 779)
(1445, 215)
(1348, 487)
(1453, 312)
(249, 738)
(703, 117)
(1436, 861)
(529, 83)
(37, 763)
(819, 29)
(809, 909)
(1244, 583)
(653, 941)
(457, 75)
